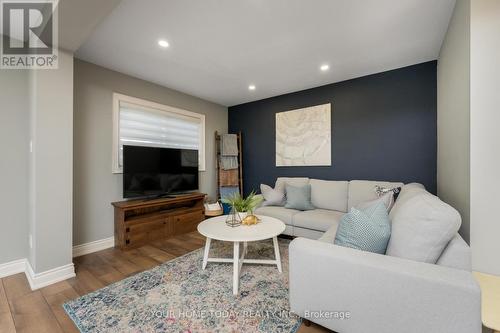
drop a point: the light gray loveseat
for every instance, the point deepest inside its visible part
(351, 291)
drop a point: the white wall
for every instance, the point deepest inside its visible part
(14, 152)
(51, 165)
(485, 135)
(95, 186)
(453, 115)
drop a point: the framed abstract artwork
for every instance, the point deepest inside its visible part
(304, 137)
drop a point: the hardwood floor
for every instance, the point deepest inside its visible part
(40, 311)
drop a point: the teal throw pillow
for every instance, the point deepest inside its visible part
(298, 197)
(368, 229)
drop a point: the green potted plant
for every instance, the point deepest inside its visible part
(243, 205)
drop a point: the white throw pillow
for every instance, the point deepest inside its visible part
(272, 196)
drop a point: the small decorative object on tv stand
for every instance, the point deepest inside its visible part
(214, 209)
(138, 222)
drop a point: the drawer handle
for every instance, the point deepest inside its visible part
(127, 241)
(127, 229)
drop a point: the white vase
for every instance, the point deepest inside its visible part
(242, 215)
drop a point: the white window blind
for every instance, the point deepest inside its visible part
(143, 123)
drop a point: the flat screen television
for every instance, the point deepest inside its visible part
(155, 172)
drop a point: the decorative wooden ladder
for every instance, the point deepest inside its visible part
(240, 162)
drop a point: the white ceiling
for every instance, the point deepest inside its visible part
(219, 47)
(77, 19)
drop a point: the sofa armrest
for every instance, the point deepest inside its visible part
(379, 293)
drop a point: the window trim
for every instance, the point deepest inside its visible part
(157, 107)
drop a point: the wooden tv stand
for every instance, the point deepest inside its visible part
(138, 222)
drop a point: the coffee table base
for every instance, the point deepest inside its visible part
(238, 260)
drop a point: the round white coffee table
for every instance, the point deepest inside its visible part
(216, 228)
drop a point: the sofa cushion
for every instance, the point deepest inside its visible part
(289, 230)
(318, 219)
(307, 233)
(422, 226)
(298, 197)
(364, 190)
(366, 230)
(329, 235)
(329, 194)
(281, 213)
(457, 254)
(294, 181)
(407, 192)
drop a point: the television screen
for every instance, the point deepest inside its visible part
(149, 171)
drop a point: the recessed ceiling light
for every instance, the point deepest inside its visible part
(251, 87)
(163, 43)
(324, 67)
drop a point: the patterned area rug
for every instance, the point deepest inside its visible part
(178, 296)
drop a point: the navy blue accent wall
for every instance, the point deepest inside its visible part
(383, 128)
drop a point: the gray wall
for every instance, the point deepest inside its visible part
(453, 115)
(14, 149)
(485, 135)
(95, 187)
(51, 165)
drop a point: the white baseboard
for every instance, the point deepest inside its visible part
(98, 245)
(40, 280)
(37, 280)
(43, 279)
(12, 267)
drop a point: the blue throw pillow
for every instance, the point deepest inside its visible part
(298, 197)
(368, 229)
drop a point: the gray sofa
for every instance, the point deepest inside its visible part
(332, 200)
(351, 291)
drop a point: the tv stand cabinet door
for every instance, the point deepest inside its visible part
(143, 233)
(187, 222)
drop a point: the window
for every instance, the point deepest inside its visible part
(139, 122)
